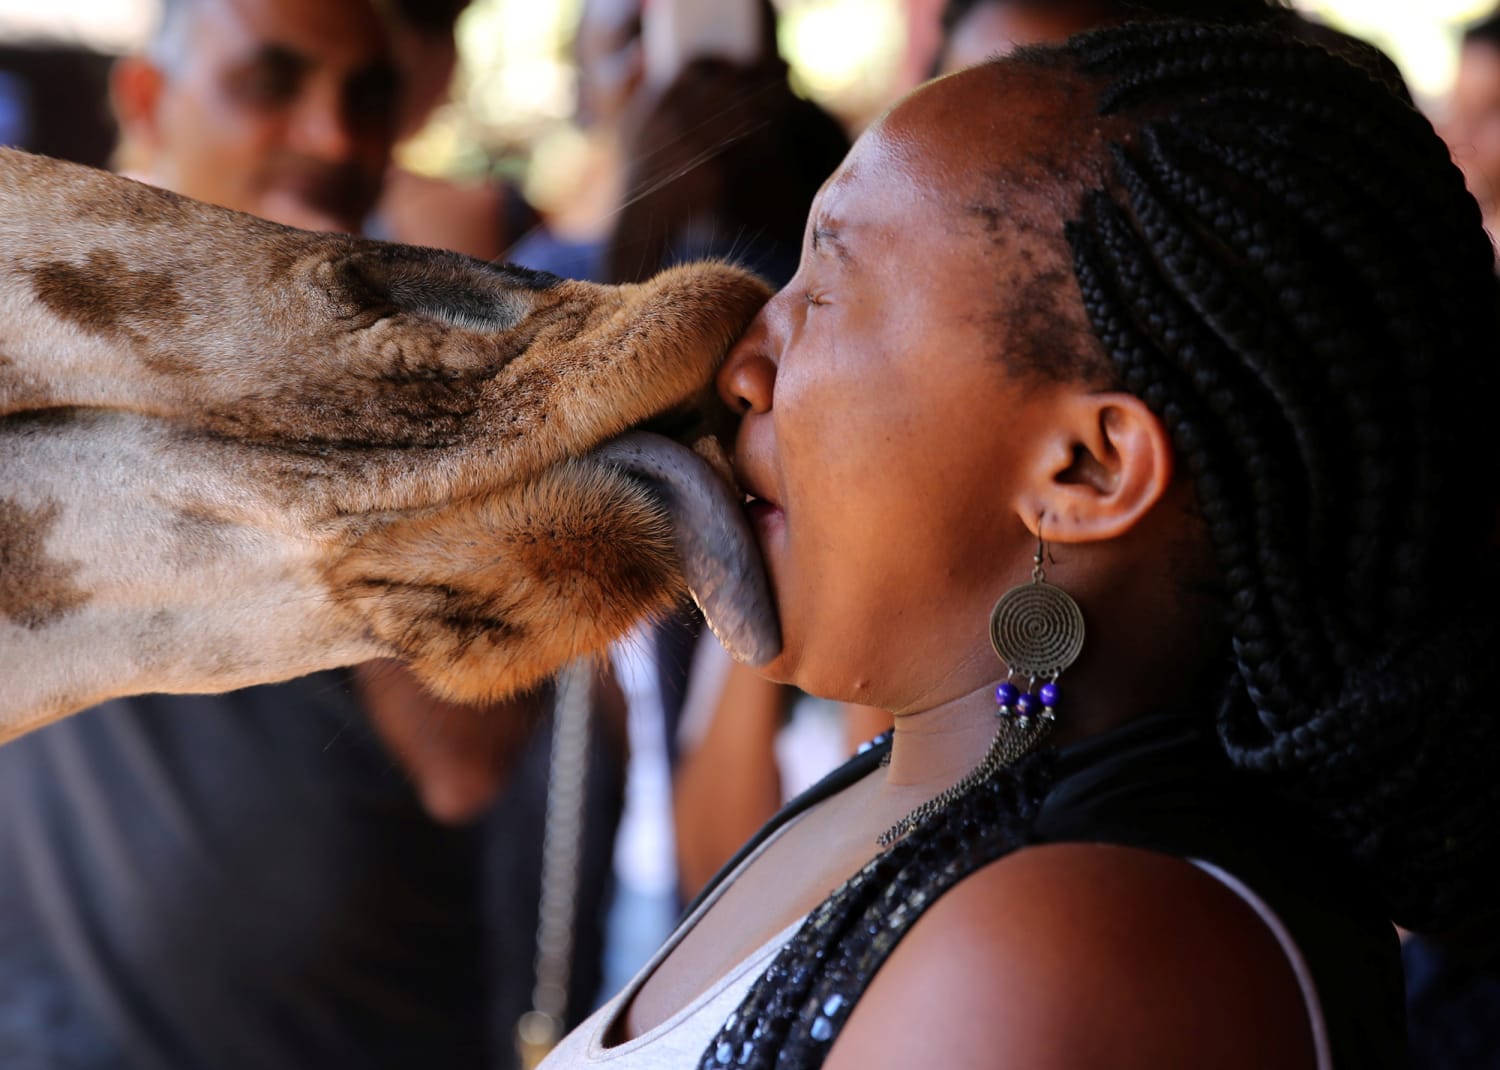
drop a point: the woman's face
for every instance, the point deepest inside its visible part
(884, 438)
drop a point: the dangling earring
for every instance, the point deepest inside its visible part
(1037, 630)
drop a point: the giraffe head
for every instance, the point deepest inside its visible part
(232, 452)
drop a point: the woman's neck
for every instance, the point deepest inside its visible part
(938, 746)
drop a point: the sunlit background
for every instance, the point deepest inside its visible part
(515, 91)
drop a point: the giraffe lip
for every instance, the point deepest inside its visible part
(717, 550)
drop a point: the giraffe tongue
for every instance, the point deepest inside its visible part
(719, 557)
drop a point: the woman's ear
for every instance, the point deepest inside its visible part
(1104, 462)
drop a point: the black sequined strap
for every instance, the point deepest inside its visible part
(795, 1010)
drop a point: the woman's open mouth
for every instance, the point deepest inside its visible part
(760, 510)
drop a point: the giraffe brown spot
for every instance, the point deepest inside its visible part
(35, 590)
(106, 298)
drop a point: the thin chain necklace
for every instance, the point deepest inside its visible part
(1015, 737)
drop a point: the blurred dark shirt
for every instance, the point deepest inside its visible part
(249, 881)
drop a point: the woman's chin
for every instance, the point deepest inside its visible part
(777, 670)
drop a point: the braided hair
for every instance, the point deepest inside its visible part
(1277, 255)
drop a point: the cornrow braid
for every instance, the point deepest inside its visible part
(1285, 266)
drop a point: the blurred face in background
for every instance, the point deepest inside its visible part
(998, 28)
(611, 66)
(1473, 130)
(424, 45)
(427, 60)
(282, 108)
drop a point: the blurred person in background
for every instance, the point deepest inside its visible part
(52, 99)
(1473, 128)
(281, 110)
(482, 218)
(15, 110)
(1453, 998)
(976, 30)
(704, 148)
(720, 156)
(747, 746)
(609, 69)
(307, 874)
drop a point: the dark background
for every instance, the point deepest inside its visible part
(54, 99)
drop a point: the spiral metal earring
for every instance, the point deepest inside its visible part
(1037, 630)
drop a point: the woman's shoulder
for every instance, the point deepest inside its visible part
(1080, 954)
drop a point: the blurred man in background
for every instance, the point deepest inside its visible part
(283, 110)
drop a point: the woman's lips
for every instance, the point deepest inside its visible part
(760, 511)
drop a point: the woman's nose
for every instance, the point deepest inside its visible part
(747, 378)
